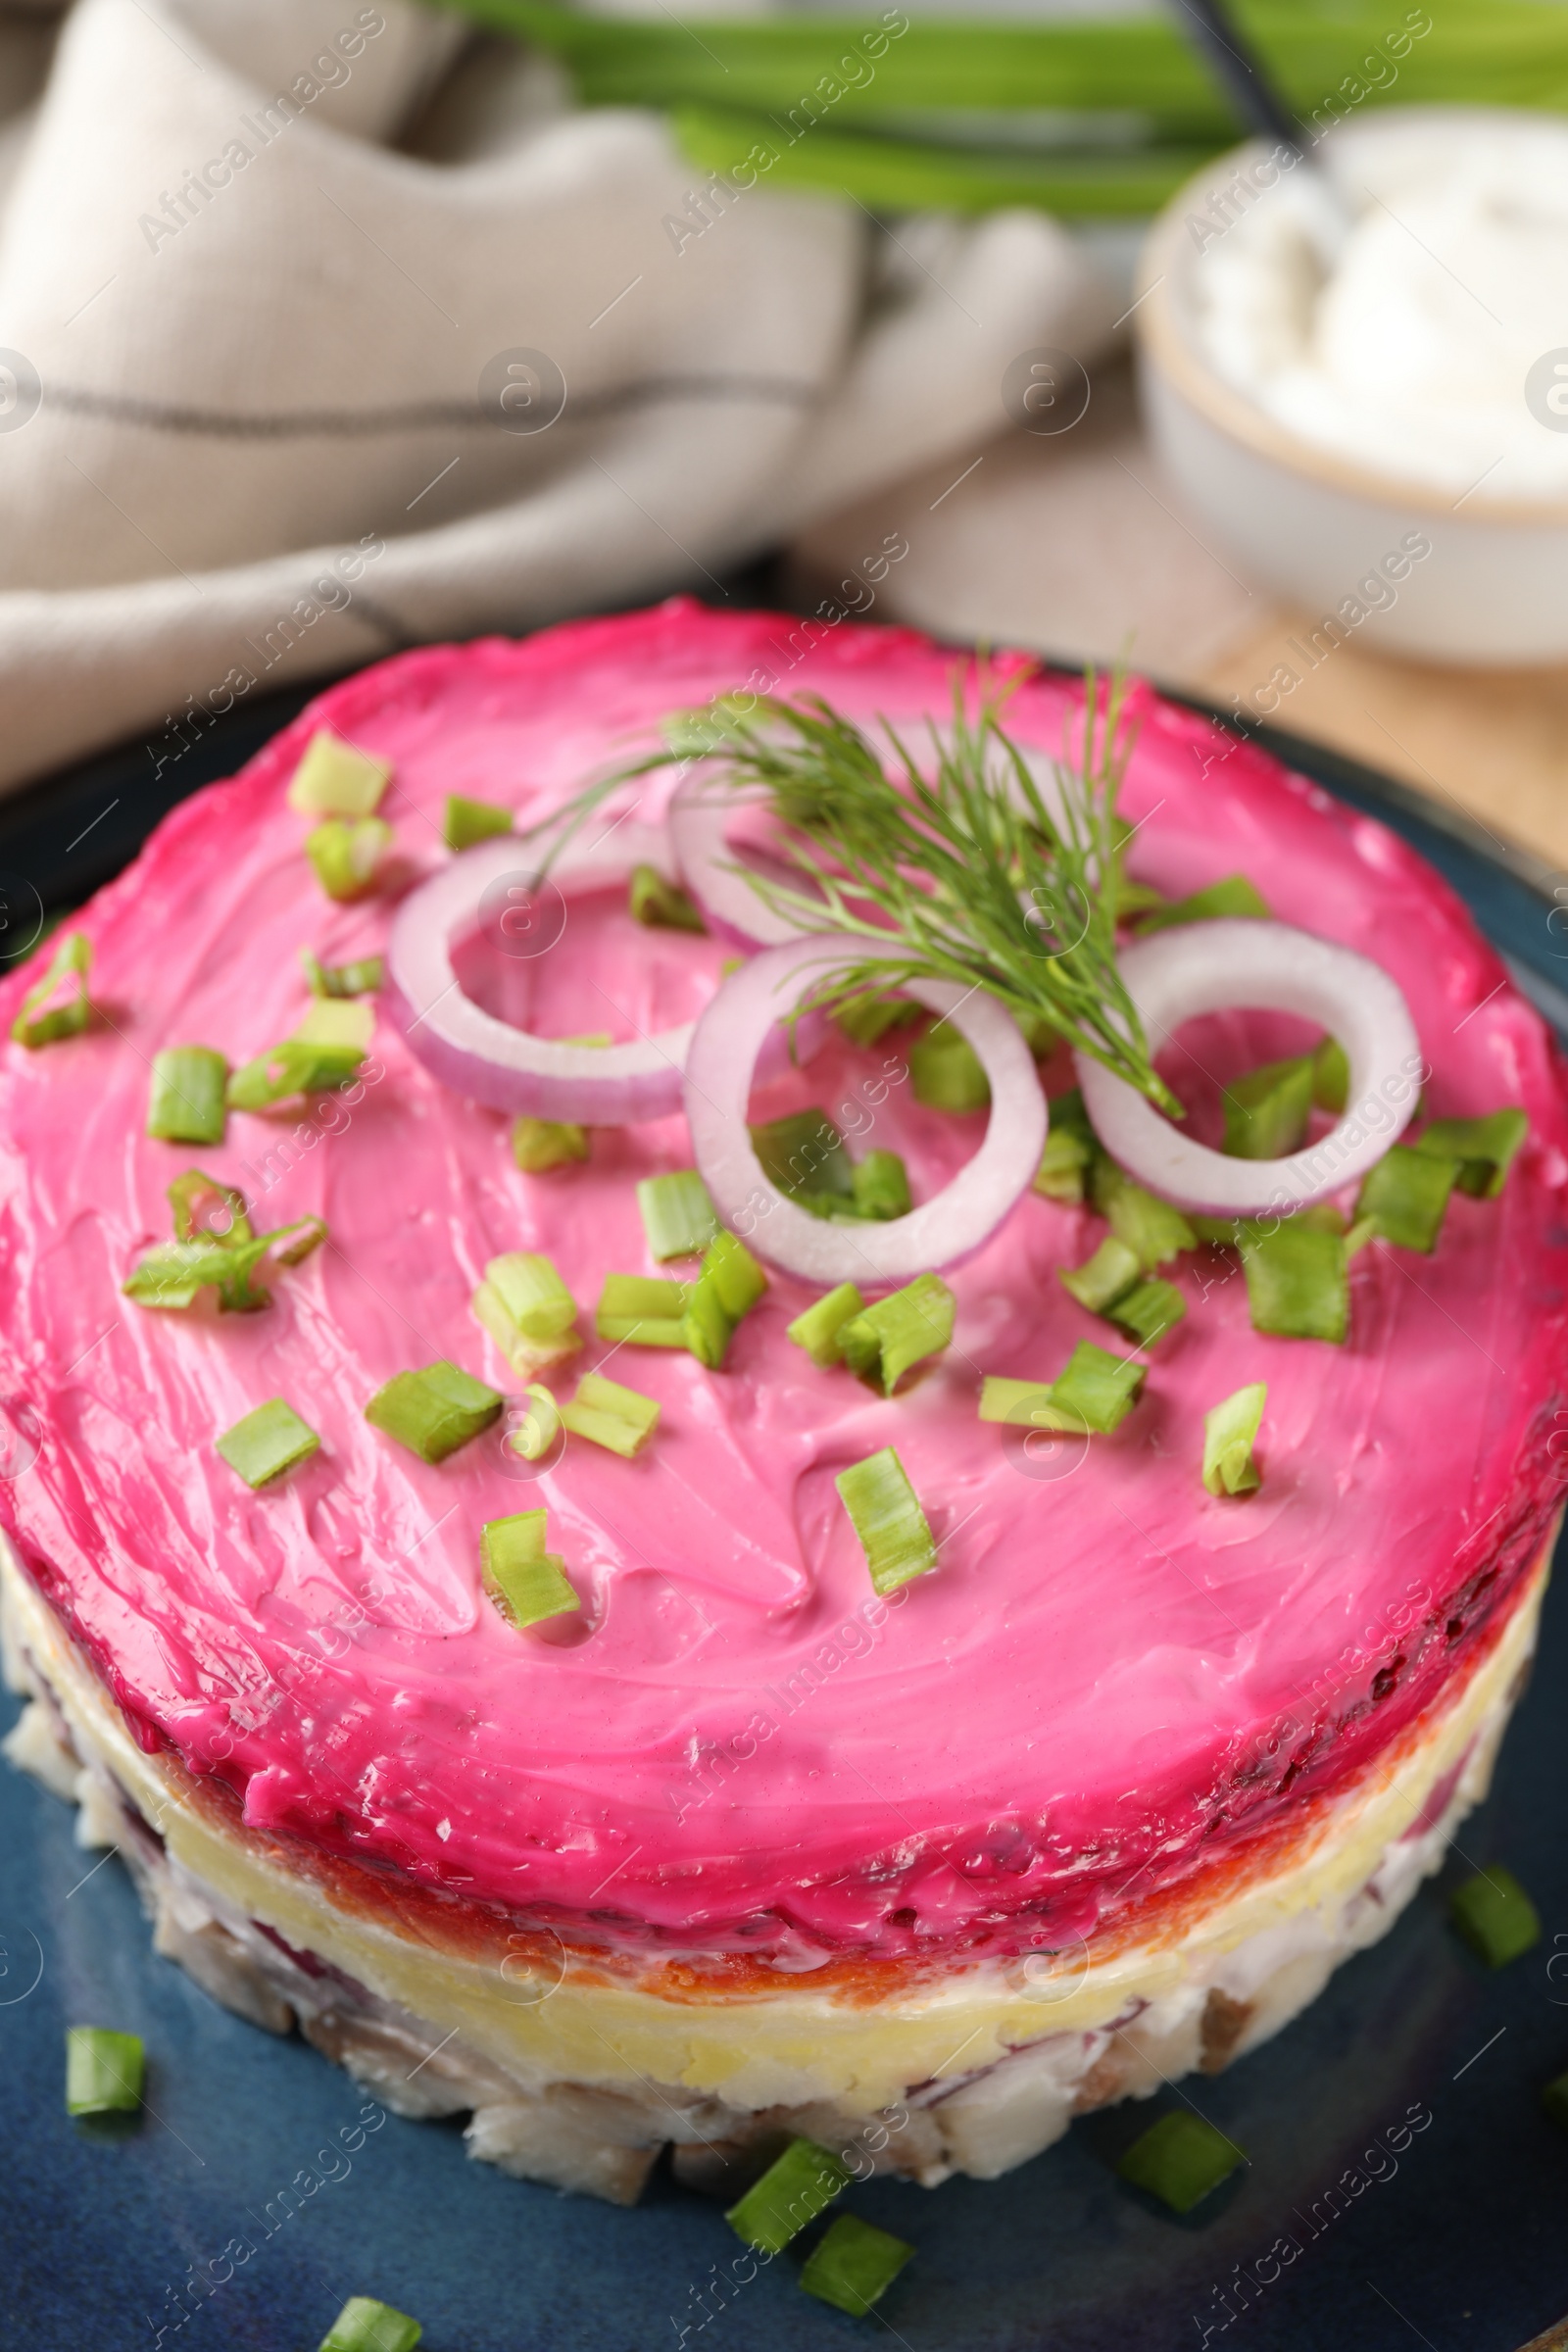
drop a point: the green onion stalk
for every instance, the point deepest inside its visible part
(1082, 117)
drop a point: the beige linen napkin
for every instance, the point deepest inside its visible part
(327, 327)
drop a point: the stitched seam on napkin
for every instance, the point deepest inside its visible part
(584, 408)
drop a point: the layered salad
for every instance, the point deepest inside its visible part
(765, 1399)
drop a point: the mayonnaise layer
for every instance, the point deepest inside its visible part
(1425, 351)
(1110, 1679)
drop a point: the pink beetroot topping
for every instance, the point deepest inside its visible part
(1111, 1673)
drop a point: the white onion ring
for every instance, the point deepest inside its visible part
(699, 808)
(1251, 965)
(488, 1059)
(921, 741)
(963, 1216)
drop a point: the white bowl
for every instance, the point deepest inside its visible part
(1311, 524)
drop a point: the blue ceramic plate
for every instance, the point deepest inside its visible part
(1451, 2234)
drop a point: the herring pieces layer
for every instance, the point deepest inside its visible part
(1112, 1676)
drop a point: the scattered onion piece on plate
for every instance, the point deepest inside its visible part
(944, 1229)
(1235, 966)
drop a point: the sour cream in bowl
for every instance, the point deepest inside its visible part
(1399, 390)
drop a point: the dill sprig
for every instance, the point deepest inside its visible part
(980, 874)
(959, 859)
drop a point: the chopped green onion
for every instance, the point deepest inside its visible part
(268, 1441)
(360, 978)
(1094, 1394)
(1331, 1076)
(1102, 1279)
(866, 1019)
(882, 1186)
(1296, 1281)
(186, 1104)
(1324, 1214)
(798, 2186)
(609, 1415)
(804, 1153)
(527, 1311)
(467, 821)
(643, 1309)
(1150, 1310)
(170, 1274)
(335, 778)
(1406, 1197)
(366, 2325)
(945, 1071)
(1149, 1226)
(1039, 1032)
(1136, 898)
(677, 1214)
(706, 1330)
(1555, 2101)
(526, 1582)
(662, 904)
(337, 1023)
(325, 1052)
(885, 1512)
(821, 1330)
(1492, 1914)
(1181, 2160)
(104, 2071)
(1230, 1432)
(1234, 895)
(834, 1208)
(295, 1067)
(531, 1292)
(312, 1232)
(200, 1201)
(1484, 1148)
(539, 1427)
(1070, 1149)
(883, 1341)
(346, 855)
(1266, 1112)
(736, 1274)
(433, 1411)
(1232, 1233)
(1062, 1164)
(728, 1286)
(1022, 1405)
(40, 1022)
(1096, 1390)
(541, 1143)
(853, 2264)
